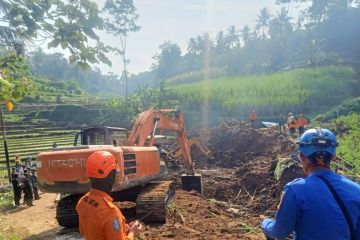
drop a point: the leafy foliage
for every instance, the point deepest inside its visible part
(69, 24)
(168, 60)
(15, 78)
(126, 110)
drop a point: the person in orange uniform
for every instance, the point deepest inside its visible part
(302, 121)
(99, 218)
(253, 117)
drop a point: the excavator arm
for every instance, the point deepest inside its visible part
(196, 142)
(145, 126)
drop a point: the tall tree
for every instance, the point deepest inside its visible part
(220, 42)
(168, 59)
(193, 46)
(245, 35)
(280, 26)
(232, 38)
(120, 23)
(263, 21)
(206, 42)
(318, 10)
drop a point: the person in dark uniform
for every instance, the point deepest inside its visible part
(34, 184)
(17, 188)
(28, 188)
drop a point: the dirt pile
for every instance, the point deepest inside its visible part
(235, 143)
(191, 216)
(247, 158)
(242, 171)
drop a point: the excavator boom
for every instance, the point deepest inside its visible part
(148, 122)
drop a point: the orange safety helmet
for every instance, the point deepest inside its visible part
(100, 163)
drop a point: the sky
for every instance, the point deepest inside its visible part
(178, 21)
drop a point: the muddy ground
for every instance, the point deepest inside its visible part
(239, 187)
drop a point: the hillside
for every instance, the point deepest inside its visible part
(309, 90)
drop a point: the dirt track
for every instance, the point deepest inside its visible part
(37, 222)
(240, 179)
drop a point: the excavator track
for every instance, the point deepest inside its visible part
(151, 203)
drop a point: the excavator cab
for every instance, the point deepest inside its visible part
(101, 136)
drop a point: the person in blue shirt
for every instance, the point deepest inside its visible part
(309, 208)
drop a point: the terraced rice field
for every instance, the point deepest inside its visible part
(28, 138)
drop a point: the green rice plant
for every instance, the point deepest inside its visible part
(302, 87)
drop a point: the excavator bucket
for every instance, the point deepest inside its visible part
(192, 182)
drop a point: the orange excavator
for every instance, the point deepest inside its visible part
(140, 180)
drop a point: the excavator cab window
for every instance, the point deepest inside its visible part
(101, 136)
(93, 136)
(117, 137)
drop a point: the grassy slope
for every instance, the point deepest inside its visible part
(302, 89)
(347, 128)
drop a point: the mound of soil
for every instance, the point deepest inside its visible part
(191, 216)
(242, 171)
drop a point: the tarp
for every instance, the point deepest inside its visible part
(270, 124)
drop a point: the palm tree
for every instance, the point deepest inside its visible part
(281, 25)
(245, 34)
(263, 20)
(220, 42)
(232, 38)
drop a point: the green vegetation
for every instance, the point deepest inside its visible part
(347, 107)
(15, 80)
(196, 76)
(71, 26)
(348, 129)
(10, 236)
(302, 90)
(6, 199)
(28, 136)
(250, 229)
(318, 33)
